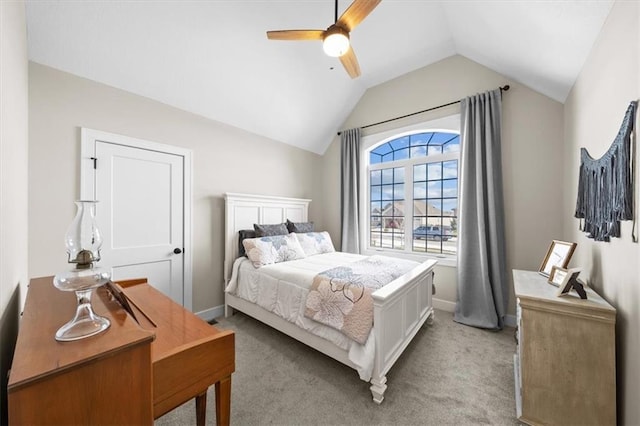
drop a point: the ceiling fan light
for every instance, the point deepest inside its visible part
(336, 42)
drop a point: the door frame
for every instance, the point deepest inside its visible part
(88, 139)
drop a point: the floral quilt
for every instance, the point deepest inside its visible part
(341, 297)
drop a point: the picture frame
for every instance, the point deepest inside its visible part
(559, 254)
(567, 282)
(557, 275)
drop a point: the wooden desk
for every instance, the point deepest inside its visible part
(121, 376)
(80, 382)
(188, 354)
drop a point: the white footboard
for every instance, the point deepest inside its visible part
(400, 309)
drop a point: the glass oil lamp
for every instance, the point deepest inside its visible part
(83, 241)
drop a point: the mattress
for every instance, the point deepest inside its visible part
(282, 289)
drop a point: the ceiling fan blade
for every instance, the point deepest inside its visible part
(295, 35)
(358, 10)
(350, 63)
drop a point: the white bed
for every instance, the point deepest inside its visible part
(400, 307)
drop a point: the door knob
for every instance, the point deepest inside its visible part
(177, 250)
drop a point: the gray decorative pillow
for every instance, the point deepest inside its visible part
(243, 234)
(315, 243)
(299, 227)
(275, 249)
(269, 230)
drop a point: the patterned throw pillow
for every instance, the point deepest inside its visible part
(275, 249)
(299, 227)
(269, 230)
(315, 243)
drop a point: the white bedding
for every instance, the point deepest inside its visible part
(282, 289)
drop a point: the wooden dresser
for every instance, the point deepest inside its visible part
(565, 358)
(129, 374)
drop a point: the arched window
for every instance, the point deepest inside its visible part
(412, 195)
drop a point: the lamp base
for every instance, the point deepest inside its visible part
(85, 323)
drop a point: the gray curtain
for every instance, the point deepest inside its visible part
(349, 197)
(483, 291)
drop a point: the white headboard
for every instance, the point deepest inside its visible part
(243, 210)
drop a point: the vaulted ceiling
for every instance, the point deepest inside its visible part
(213, 58)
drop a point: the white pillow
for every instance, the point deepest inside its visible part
(273, 249)
(315, 243)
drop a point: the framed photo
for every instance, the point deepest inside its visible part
(557, 275)
(559, 254)
(567, 282)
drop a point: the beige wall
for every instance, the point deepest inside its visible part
(593, 114)
(13, 181)
(226, 159)
(531, 137)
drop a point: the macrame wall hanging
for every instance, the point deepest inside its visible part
(605, 185)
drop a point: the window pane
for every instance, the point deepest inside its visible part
(434, 189)
(441, 138)
(400, 143)
(374, 158)
(418, 151)
(376, 208)
(435, 223)
(374, 239)
(434, 149)
(398, 191)
(375, 193)
(453, 227)
(453, 145)
(450, 207)
(419, 208)
(434, 207)
(382, 149)
(450, 188)
(387, 192)
(419, 172)
(402, 154)
(398, 175)
(434, 171)
(376, 222)
(420, 139)
(376, 177)
(398, 208)
(387, 157)
(387, 176)
(420, 190)
(450, 169)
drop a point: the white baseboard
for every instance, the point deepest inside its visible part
(445, 305)
(212, 313)
(510, 321)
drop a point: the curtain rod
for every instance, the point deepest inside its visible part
(502, 89)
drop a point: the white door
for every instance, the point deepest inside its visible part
(141, 212)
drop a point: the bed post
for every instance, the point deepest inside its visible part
(378, 387)
(228, 310)
(431, 317)
(403, 306)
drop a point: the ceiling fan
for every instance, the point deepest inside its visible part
(335, 39)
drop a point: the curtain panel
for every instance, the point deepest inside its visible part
(483, 291)
(350, 190)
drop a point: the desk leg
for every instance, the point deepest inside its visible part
(201, 408)
(223, 401)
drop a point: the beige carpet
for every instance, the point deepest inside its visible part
(451, 374)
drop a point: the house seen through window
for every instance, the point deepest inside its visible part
(413, 193)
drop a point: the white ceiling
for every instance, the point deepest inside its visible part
(213, 58)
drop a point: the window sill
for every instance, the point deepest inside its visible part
(450, 261)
